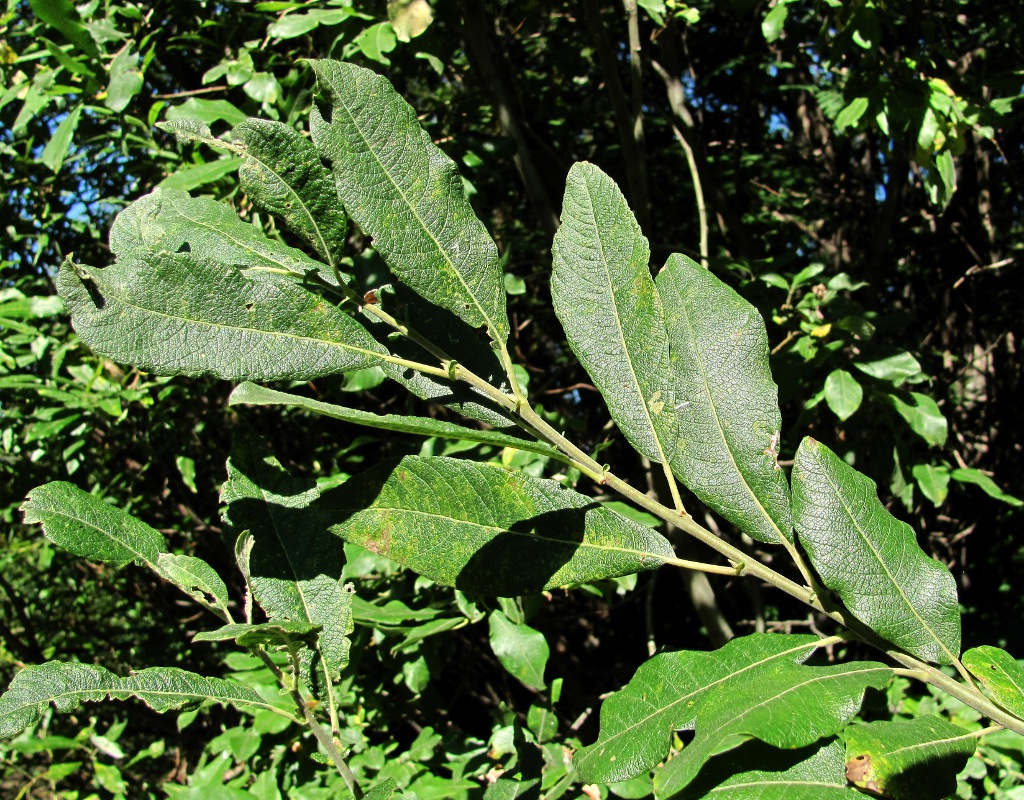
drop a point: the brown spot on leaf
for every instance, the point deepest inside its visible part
(860, 773)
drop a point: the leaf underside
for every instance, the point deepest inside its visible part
(406, 193)
(67, 685)
(727, 403)
(176, 314)
(481, 528)
(605, 298)
(896, 589)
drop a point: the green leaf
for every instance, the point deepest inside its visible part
(56, 149)
(923, 416)
(1000, 674)
(726, 402)
(791, 706)
(195, 578)
(605, 298)
(208, 111)
(985, 483)
(755, 770)
(842, 393)
(915, 759)
(406, 193)
(189, 178)
(666, 694)
(895, 368)
(851, 114)
(377, 40)
(774, 21)
(87, 526)
(251, 394)
(933, 481)
(125, 80)
(521, 650)
(178, 314)
(284, 176)
(273, 634)
(409, 18)
(382, 791)
(295, 563)
(896, 589)
(481, 528)
(69, 685)
(62, 16)
(171, 221)
(292, 25)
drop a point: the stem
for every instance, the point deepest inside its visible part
(329, 744)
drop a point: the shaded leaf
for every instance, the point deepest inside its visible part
(273, 634)
(727, 403)
(481, 528)
(294, 562)
(251, 394)
(604, 296)
(196, 578)
(180, 315)
(69, 685)
(63, 16)
(756, 770)
(1000, 674)
(897, 590)
(125, 80)
(522, 651)
(284, 176)
(842, 393)
(87, 526)
(923, 416)
(406, 193)
(985, 483)
(916, 759)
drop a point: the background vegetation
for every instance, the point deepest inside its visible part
(857, 168)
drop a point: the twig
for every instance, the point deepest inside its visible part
(190, 92)
(978, 268)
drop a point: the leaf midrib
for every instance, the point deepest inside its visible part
(827, 474)
(618, 326)
(444, 253)
(706, 385)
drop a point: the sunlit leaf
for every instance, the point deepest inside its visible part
(481, 528)
(726, 402)
(915, 759)
(896, 589)
(842, 393)
(521, 650)
(68, 685)
(922, 415)
(406, 193)
(605, 298)
(176, 314)
(985, 483)
(1000, 674)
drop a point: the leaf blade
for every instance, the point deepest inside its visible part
(177, 314)
(729, 422)
(294, 564)
(393, 181)
(605, 298)
(1000, 674)
(897, 590)
(67, 685)
(284, 176)
(481, 528)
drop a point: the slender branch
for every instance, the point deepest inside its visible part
(676, 99)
